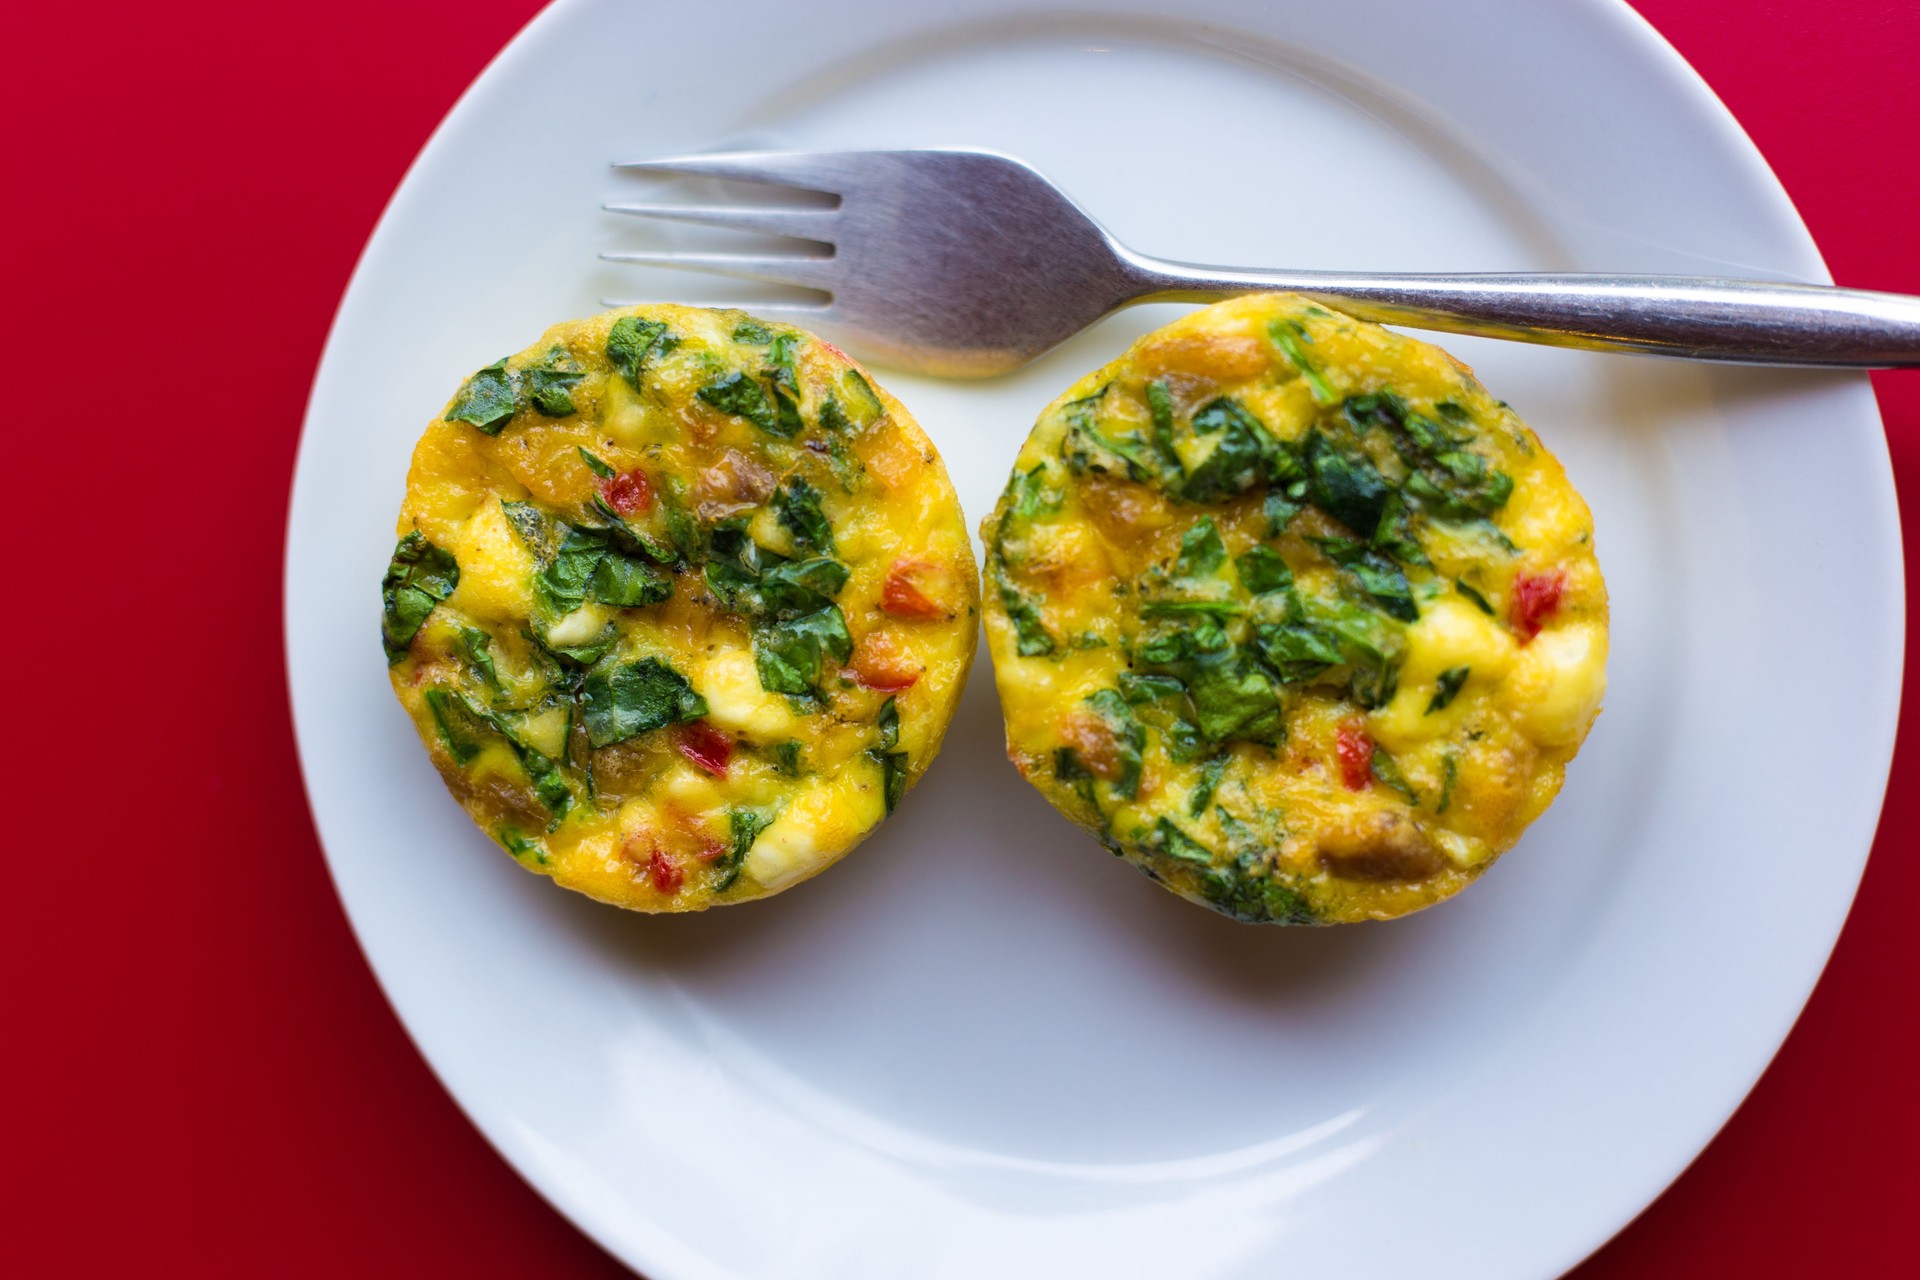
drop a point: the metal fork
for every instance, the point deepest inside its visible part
(967, 263)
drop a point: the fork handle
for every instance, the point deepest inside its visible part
(1692, 317)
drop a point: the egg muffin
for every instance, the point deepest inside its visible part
(681, 607)
(1293, 614)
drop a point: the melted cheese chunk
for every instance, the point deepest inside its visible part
(1450, 637)
(737, 702)
(1557, 684)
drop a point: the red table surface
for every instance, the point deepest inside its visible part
(198, 1069)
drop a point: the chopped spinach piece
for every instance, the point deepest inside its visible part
(622, 700)
(1091, 448)
(1449, 773)
(753, 332)
(1448, 682)
(1262, 570)
(797, 506)
(1201, 551)
(419, 576)
(463, 727)
(1189, 608)
(514, 842)
(1479, 601)
(1295, 651)
(743, 828)
(477, 646)
(1128, 737)
(1231, 695)
(1210, 775)
(1235, 699)
(1282, 504)
(539, 532)
(888, 723)
(1160, 405)
(1030, 495)
(595, 464)
(1175, 843)
(1290, 336)
(1247, 889)
(631, 341)
(1068, 769)
(486, 399)
(1395, 535)
(744, 397)
(801, 586)
(1347, 486)
(1370, 644)
(1031, 637)
(1138, 689)
(1388, 775)
(627, 582)
(1384, 582)
(863, 391)
(790, 656)
(1245, 454)
(893, 776)
(550, 384)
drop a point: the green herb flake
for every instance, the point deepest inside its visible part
(1347, 486)
(632, 341)
(1160, 405)
(627, 582)
(477, 647)
(464, 728)
(419, 576)
(797, 506)
(1449, 772)
(1031, 637)
(1178, 844)
(1210, 775)
(791, 656)
(1291, 336)
(1244, 455)
(1201, 551)
(622, 700)
(550, 384)
(753, 333)
(596, 464)
(486, 400)
(744, 397)
(893, 776)
(1388, 775)
(516, 843)
(1128, 737)
(743, 828)
(1448, 682)
(1479, 601)
(1262, 570)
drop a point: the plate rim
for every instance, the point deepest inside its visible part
(665, 1255)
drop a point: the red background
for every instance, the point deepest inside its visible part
(197, 1068)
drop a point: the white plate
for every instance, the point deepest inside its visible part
(982, 1047)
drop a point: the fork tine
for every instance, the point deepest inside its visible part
(804, 224)
(782, 168)
(807, 273)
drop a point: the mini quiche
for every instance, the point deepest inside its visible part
(682, 605)
(1293, 614)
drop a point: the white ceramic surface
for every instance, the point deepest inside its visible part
(981, 1047)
